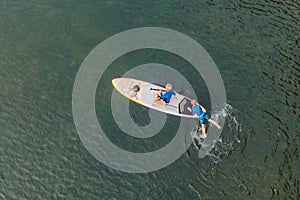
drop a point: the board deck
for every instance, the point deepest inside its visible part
(145, 96)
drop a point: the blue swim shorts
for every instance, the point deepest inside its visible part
(203, 117)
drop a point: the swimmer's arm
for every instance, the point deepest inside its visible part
(190, 109)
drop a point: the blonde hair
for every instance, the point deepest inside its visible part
(169, 86)
(193, 101)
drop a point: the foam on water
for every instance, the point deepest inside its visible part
(222, 148)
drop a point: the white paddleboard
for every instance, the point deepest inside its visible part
(141, 93)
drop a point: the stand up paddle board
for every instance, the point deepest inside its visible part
(143, 93)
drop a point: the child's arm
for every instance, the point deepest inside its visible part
(190, 109)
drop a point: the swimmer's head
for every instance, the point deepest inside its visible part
(193, 102)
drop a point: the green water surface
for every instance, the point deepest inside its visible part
(255, 45)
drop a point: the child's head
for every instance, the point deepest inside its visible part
(169, 87)
(193, 102)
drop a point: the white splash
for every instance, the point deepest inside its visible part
(221, 147)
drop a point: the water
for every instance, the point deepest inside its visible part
(222, 148)
(255, 45)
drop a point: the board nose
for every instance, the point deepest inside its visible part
(115, 81)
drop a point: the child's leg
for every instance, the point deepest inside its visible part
(157, 94)
(158, 100)
(203, 130)
(214, 123)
